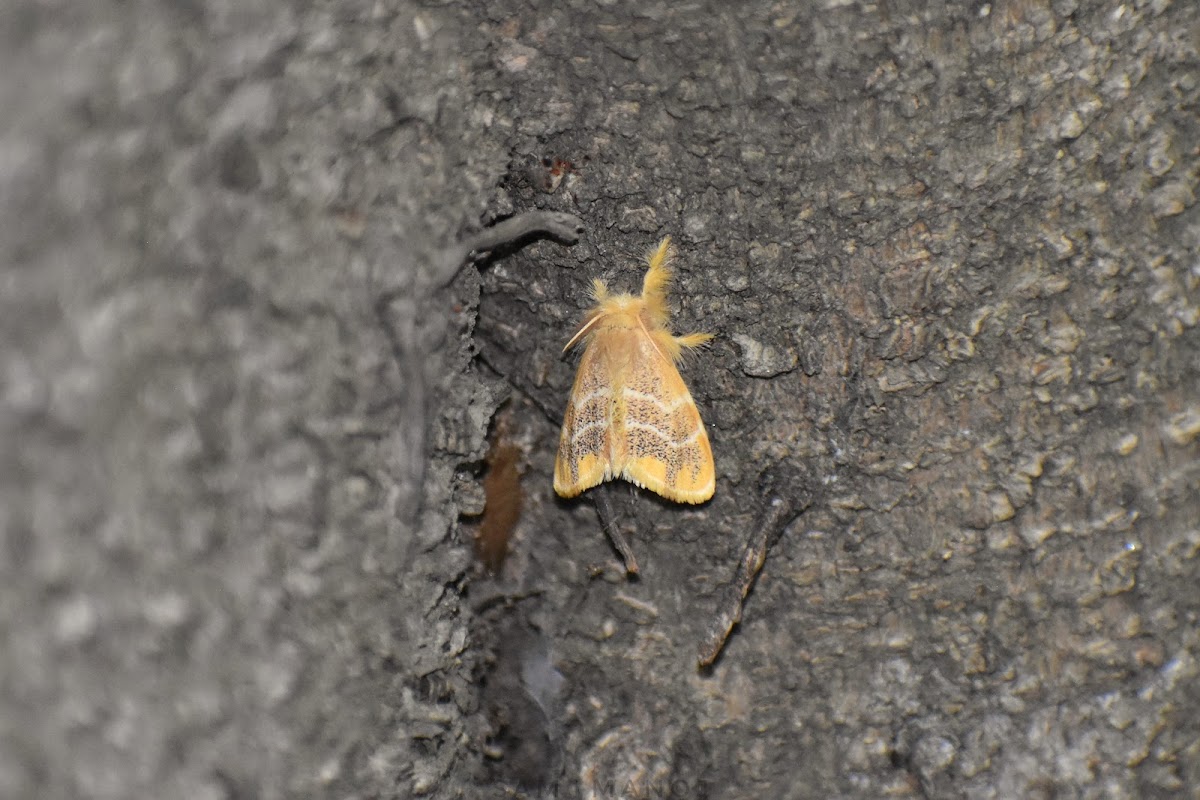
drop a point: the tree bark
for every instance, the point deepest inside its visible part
(247, 399)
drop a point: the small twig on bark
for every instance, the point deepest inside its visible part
(560, 225)
(771, 524)
(602, 495)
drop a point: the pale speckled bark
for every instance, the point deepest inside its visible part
(950, 256)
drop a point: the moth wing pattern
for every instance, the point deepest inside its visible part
(666, 445)
(584, 452)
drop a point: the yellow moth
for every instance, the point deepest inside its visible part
(630, 414)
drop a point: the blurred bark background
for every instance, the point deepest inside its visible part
(951, 253)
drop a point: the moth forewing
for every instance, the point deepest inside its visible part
(630, 414)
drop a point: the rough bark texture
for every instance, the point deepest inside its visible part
(950, 255)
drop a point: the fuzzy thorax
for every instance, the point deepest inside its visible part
(648, 312)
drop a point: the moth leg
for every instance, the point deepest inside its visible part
(766, 533)
(608, 521)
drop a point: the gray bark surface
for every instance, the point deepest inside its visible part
(951, 256)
